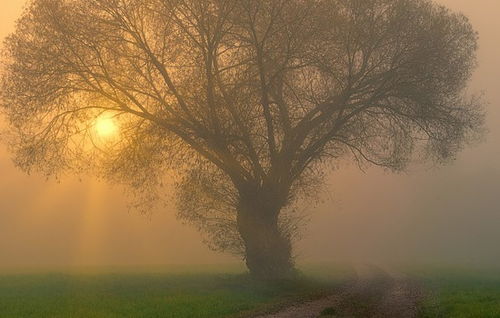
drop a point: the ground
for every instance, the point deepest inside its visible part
(226, 292)
(373, 292)
(174, 292)
(460, 293)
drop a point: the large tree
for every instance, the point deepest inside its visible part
(246, 100)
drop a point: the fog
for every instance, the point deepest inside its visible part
(427, 215)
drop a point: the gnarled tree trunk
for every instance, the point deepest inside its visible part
(268, 252)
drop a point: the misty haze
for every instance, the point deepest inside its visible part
(247, 158)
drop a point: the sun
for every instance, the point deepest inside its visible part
(106, 127)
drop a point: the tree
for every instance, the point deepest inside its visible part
(247, 100)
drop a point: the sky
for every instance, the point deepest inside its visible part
(428, 215)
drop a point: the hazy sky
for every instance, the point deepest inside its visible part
(427, 215)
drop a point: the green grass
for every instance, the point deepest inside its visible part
(203, 293)
(461, 294)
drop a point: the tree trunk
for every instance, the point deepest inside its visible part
(268, 253)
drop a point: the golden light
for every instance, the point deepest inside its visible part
(106, 127)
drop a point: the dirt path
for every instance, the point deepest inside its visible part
(400, 300)
(310, 309)
(375, 293)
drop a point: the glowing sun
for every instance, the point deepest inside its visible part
(106, 127)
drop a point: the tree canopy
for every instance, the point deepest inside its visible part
(245, 99)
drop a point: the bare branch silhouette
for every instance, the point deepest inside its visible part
(246, 99)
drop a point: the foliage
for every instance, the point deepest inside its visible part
(246, 100)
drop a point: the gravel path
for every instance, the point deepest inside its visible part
(375, 294)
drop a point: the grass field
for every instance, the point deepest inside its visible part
(219, 291)
(461, 294)
(203, 292)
